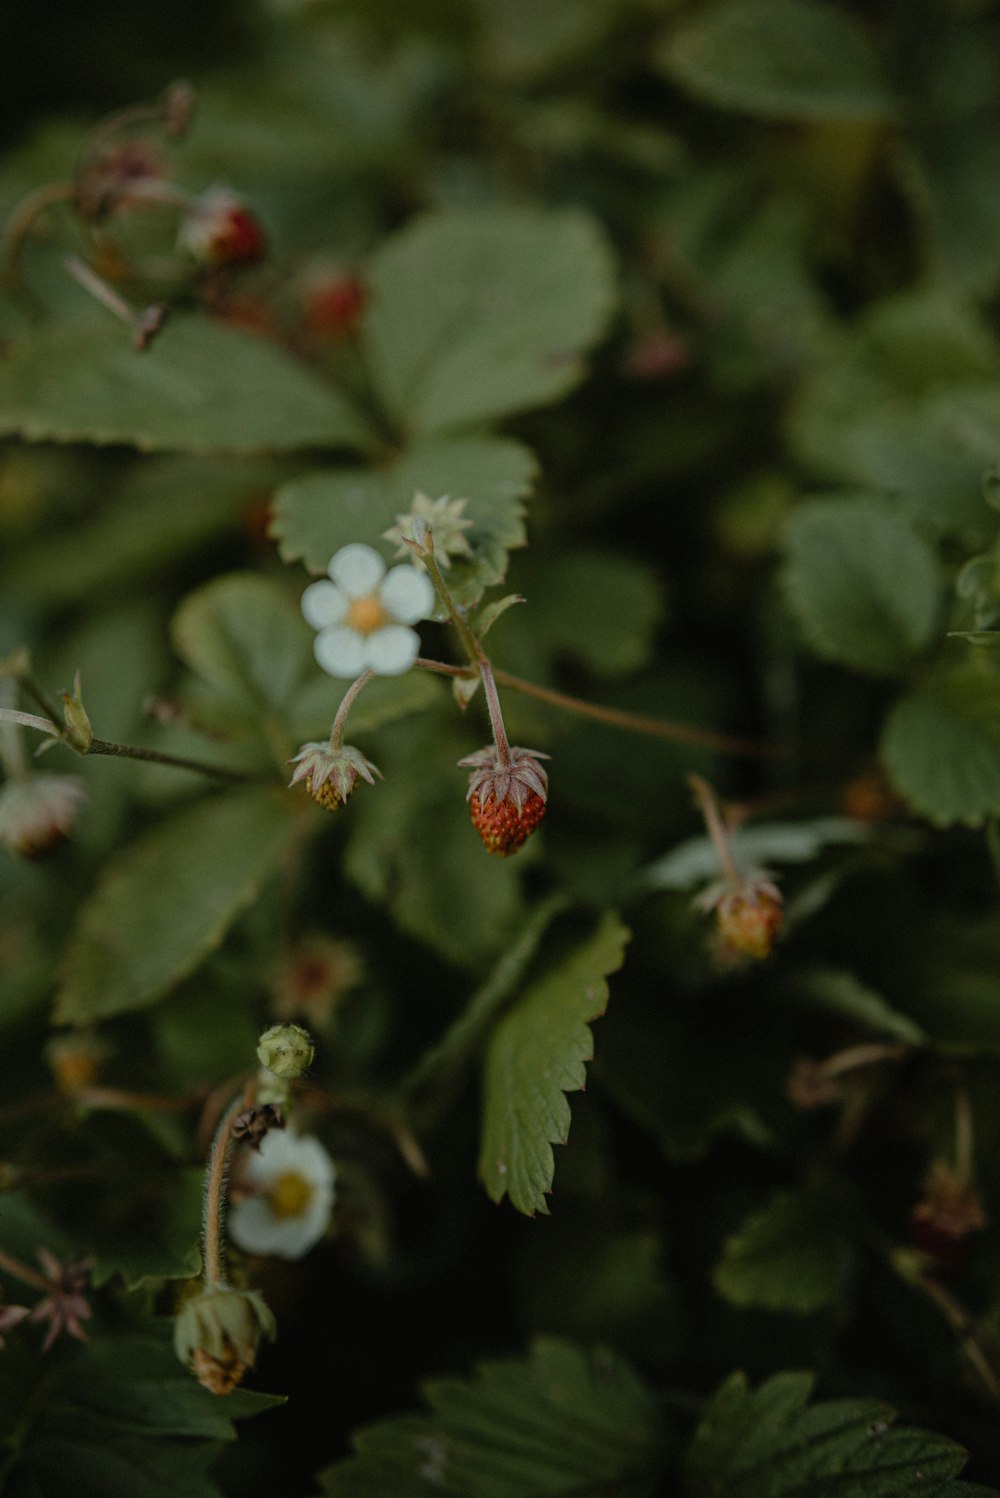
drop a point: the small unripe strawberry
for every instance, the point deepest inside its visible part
(330, 775)
(502, 827)
(749, 920)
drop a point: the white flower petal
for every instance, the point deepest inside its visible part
(253, 1225)
(408, 594)
(392, 650)
(341, 651)
(358, 569)
(323, 605)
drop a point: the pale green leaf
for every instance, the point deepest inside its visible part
(166, 902)
(779, 59)
(792, 1255)
(769, 1443)
(537, 1053)
(941, 747)
(201, 387)
(696, 861)
(314, 516)
(559, 1423)
(480, 313)
(865, 588)
(840, 992)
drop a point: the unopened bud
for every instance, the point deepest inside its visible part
(217, 1334)
(220, 230)
(79, 734)
(286, 1050)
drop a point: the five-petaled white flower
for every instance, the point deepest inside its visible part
(363, 614)
(289, 1184)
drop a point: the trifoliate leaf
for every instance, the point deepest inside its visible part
(768, 1444)
(116, 1418)
(480, 313)
(314, 516)
(201, 388)
(793, 1255)
(561, 1422)
(537, 1053)
(864, 587)
(167, 901)
(779, 59)
(941, 747)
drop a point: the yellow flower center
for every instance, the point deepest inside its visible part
(290, 1195)
(366, 615)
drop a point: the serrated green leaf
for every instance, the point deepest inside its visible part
(792, 1255)
(480, 313)
(865, 588)
(561, 1422)
(537, 1053)
(779, 59)
(201, 388)
(413, 847)
(768, 1444)
(317, 514)
(941, 747)
(117, 1418)
(167, 901)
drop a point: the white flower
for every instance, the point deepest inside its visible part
(363, 614)
(290, 1184)
(443, 518)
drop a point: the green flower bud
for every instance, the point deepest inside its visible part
(79, 733)
(286, 1050)
(217, 1333)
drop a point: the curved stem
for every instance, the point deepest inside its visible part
(22, 219)
(124, 751)
(213, 1261)
(661, 728)
(339, 722)
(20, 1271)
(709, 808)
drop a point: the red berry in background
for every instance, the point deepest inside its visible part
(334, 304)
(221, 231)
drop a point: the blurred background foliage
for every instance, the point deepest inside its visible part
(742, 400)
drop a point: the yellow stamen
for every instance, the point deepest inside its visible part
(290, 1195)
(366, 615)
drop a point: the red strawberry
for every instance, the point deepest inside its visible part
(501, 826)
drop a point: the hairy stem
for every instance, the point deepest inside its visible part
(216, 1177)
(339, 722)
(709, 807)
